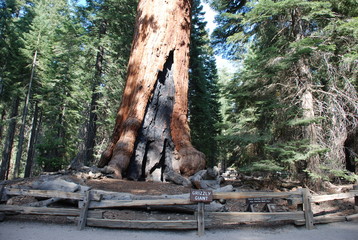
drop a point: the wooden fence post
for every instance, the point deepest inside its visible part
(201, 220)
(355, 187)
(84, 210)
(2, 190)
(2, 215)
(307, 208)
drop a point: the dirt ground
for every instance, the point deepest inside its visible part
(19, 230)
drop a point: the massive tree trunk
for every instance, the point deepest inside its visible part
(151, 133)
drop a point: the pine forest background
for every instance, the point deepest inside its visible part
(287, 106)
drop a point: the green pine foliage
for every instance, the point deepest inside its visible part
(55, 43)
(13, 22)
(53, 37)
(204, 107)
(294, 101)
(109, 27)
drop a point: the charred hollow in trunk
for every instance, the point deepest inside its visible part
(154, 146)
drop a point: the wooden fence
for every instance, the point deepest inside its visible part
(89, 211)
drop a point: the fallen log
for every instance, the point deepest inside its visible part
(207, 179)
(48, 182)
(176, 178)
(330, 197)
(50, 194)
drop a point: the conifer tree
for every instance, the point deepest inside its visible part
(49, 49)
(290, 107)
(14, 20)
(109, 30)
(203, 88)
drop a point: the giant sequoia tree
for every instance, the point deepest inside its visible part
(151, 136)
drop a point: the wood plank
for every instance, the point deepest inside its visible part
(243, 195)
(330, 197)
(224, 218)
(328, 219)
(138, 224)
(307, 208)
(352, 217)
(95, 214)
(43, 203)
(40, 210)
(84, 211)
(323, 219)
(139, 203)
(201, 219)
(50, 194)
(98, 214)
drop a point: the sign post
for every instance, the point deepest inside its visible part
(201, 196)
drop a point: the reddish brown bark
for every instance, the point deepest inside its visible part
(162, 28)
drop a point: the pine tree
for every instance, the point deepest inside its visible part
(290, 109)
(203, 89)
(47, 70)
(14, 20)
(50, 48)
(109, 30)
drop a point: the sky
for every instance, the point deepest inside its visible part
(210, 18)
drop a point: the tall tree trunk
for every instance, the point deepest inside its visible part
(23, 121)
(91, 129)
(310, 130)
(92, 122)
(9, 141)
(32, 142)
(3, 115)
(151, 129)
